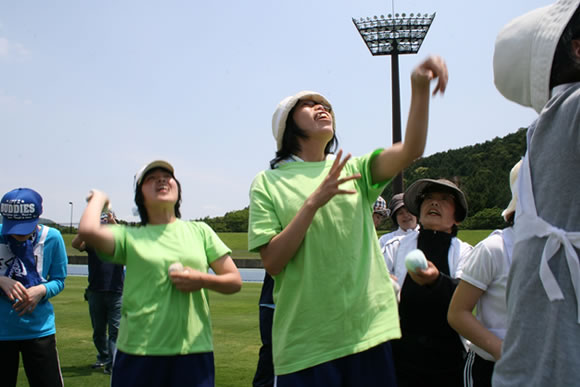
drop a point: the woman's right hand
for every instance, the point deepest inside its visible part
(14, 290)
(330, 186)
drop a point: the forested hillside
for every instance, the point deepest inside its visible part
(481, 171)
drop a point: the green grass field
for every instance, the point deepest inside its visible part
(235, 331)
(234, 318)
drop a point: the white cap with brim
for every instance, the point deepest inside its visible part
(511, 208)
(281, 114)
(524, 52)
(152, 165)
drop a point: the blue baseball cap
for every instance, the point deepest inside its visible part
(20, 209)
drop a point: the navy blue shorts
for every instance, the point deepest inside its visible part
(195, 369)
(373, 367)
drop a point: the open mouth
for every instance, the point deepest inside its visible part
(433, 212)
(322, 115)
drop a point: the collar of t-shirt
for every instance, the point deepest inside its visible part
(294, 158)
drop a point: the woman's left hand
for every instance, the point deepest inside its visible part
(188, 280)
(35, 294)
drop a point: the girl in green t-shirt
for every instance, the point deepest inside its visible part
(311, 222)
(165, 333)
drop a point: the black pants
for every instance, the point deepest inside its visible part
(478, 371)
(39, 358)
(264, 376)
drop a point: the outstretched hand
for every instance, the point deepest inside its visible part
(433, 67)
(330, 186)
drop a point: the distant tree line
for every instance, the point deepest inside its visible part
(234, 221)
(481, 171)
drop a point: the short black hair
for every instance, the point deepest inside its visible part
(140, 200)
(565, 65)
(290, 144)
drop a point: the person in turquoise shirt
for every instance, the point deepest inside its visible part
(311, 222)
(32, 270)
(165, 336)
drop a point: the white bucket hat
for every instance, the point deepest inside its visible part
(524, 51)
(511, 208)
(281, 114)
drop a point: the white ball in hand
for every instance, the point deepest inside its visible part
(415, 260)
(176, 266)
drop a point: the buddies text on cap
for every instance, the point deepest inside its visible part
(20, 209)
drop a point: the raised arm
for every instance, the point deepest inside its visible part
(91, 230)
(282, 247)
(78, 243)
(394, 159)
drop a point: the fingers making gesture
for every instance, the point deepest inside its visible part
(330, 186)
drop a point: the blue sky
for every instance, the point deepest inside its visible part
(91, 91)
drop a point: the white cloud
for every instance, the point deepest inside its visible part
(10, 49)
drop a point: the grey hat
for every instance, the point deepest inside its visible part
(414, 196)
(395, 203)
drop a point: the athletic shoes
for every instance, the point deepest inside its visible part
(98, 364)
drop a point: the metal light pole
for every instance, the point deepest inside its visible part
(393, 36)
(71, 214)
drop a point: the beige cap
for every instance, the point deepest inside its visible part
(152, 165)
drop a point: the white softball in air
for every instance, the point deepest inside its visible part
(176, 266)
(415, 260)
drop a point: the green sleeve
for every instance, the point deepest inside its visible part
(264, 223)
(120, 255)
(370, 189)
(214, 247)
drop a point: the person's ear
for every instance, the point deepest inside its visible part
(576, 48)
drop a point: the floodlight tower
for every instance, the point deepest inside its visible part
(394, 36)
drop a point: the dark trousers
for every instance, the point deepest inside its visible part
(196, 369)
(264, 376)
(478, 371)
(39, 358)
(371, 368)
(105, 312)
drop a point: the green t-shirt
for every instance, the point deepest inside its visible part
(156, 318)
(334, 297)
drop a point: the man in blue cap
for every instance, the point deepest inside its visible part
(32, 269)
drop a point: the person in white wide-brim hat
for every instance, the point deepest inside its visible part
(311, 222)
(537, 64)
